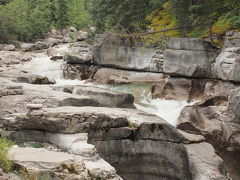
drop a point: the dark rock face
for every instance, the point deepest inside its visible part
(146, 159)
(189, 57)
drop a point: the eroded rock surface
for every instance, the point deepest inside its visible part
(128, 139)
(227, 65)
(189, 57)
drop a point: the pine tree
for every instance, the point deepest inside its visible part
(61, 14)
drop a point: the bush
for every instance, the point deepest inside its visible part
(5, 163)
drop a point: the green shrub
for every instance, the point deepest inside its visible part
(5, 163)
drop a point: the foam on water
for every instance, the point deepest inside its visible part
(166, 109)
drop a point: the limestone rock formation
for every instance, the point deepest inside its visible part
(79, 53)
(129, 139)
(189, 57)
(227, 65)
(109, 50)
(39, 94)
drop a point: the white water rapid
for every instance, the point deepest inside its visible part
(167, 109)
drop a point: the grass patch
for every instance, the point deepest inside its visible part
(37, 145)
(5, 163)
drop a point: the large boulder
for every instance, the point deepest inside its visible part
(79, 53)
(173, 89)
(9, 47)
(14, 57)
(28, 47)
(227, 65)
(106, 97)
(189, 57)
(78, 71)
(217, 122)
(113, 51)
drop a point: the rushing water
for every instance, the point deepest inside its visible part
(167, 109)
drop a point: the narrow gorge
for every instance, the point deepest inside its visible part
(116, 109)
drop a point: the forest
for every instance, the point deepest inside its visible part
(26, 20)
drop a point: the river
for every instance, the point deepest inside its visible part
(166, 109)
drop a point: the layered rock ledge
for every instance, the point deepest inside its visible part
(128, 139)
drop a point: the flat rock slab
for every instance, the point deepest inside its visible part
(71, 119)
(106, 97)
(119, 122)
(60, 164)
(38, 94)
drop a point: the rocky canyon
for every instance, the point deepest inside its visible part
(114, 109)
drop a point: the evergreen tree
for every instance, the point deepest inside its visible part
(61, 14)
(78, 14)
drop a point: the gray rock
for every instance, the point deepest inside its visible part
(189, 57)
(74, 144)
(106, 97)
(78, 71)
(232, 39)
(173, 89)
(192, 44)
(28, 47)
(8, 176)
(218, 88)
(80, 53)
(10, 90)
(57, 165)
(70, 119)
(39, 94)
(41, 45)
(204, 163)
(9, 47)
(35, 79)
(109, 50)
(14, 57)
(212, 120)
(234, 104)
(1, 47)
(227, 65)
(136, 154)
